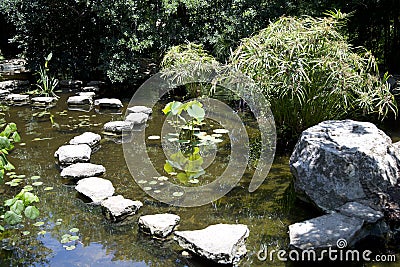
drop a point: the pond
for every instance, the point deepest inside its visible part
(267, 212)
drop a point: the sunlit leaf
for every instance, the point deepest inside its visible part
(74, 230)
(12, 218)
(31, 212)
(38, 224)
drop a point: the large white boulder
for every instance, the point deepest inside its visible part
(336, 162)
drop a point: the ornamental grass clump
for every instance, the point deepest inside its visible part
(309, 73)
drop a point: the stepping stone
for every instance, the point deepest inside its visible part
(88, 138)
(118, 208)
(71, 83)
(4, 93)
(118, 126)
(94, 83)
(87, 94)
(70, 154)
(325, 231)
(43, 100)
(12, 84)
(90, 89)
(17, 98)
(108, 103)
(97, 189)
(159, 225)
(137, 118)
(79, 100)
(222, 243)
(139, 109)
(82, 170)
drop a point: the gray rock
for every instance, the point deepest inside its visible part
(43, 100)
(71, 83)
(222, 243)
(139, 109)
(70, 154)
(4, 93)
(118, 208)
(358, 210)
(118, 126)
(95, 83)
(13, 84)
(82, 170)
(108, 103)
(80, 100)
(87, 94)
(97, 189)
(88, 138)
(90, 89)
(137, 118)
(159, 225)
(336, 162)
(325, 231)
(17, 98)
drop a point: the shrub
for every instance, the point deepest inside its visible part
(309, 73)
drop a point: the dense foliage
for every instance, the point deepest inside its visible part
(307, 71)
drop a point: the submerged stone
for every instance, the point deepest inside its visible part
(17, 98)
(82, 170)
(70, 154)
(97, 189)
(222, 243)
(88, 138)
(118, 208)
(43, 100)
(159, 225)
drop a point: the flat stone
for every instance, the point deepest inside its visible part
(94, 83)
(159, 225)
(108, 103)
(90, 89)
(88, 138)
(137, 118)
(139, 109)
(87, 94)
(43, 100)
(71, 83)
(363, 212)
(118, 208)
(12, 84)
(82, 170)
(17, 98)
(70, 154)
(325, 231)
(97, 189)
(79, 100)
(222, 243)
(118, 126)
(4, 93)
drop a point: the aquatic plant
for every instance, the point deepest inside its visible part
(46, 84)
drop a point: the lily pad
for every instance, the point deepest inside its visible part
(72, 247)
(142, 182)
(26, 233)
(74, 230)
(37, 183)
(194, 181)
(154, 137)
(28, 188)
(35, 177)
(220, 131)
(147, 188)
(178, 194)
(38, 224)
(48, 188)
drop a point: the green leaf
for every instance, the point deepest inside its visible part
(176, 108)
(17, 207)
(38, 224)
(16, 137)
(12, 218)
(196, 112)
(10, 202)
(74, 230)
(4, 142)
(168, 168)
(31, 212)
(1, 228)
(29, 198)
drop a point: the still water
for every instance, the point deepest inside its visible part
(267, 212)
